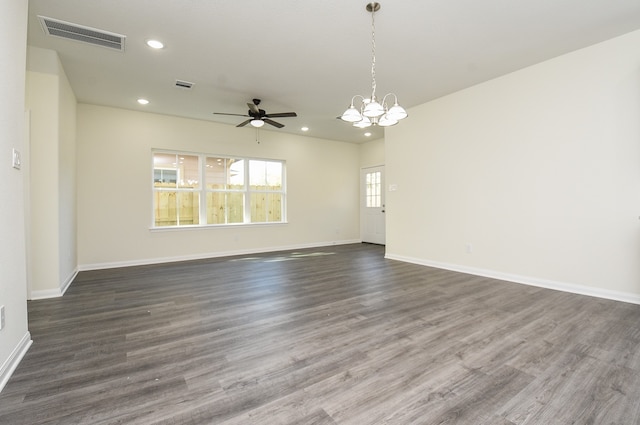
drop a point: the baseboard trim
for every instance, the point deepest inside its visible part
(626, 297)
(14, 360)
(44, 294)
(68, 280)
(54, 293)
(161, 260)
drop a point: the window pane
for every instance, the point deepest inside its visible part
(165, 172)
(265, 175)
(236, 174)
(225, 207)
(219, 172)
(189, 208)
(188, 171)
(165, 211)
(275, 207)
(176, 208)
(235, 205)
(266, 207)
(215, 208)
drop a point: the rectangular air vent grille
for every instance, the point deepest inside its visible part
(184, 84)
(81, 33)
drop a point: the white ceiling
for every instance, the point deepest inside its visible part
(311, 57)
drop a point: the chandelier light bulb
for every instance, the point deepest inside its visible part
(257, 123)
(373, 109)
(386, 121)
(363, 123)
(397, 112)
(351, 115)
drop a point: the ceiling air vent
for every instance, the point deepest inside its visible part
(81, 33)
(184, 84)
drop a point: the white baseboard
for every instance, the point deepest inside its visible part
(68, 280)
(14, 359)
(160, 260)
(54, 293)
(626, 297)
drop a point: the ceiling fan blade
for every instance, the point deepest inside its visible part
(235, 115)
(243, 123)
(253, 108)
(282, 115)
(272, 122)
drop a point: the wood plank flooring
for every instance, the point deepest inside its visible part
(333, 335)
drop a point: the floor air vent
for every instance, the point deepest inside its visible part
(81, 33)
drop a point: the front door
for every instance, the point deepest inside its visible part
(372, 221)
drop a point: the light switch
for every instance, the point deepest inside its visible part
(17, 162)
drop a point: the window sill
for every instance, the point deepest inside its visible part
(214, 226)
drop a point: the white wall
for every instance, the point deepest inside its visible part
(115, 192)
(14, 337)
(52, 189)
(42, 103)
(538, 170)
(372, 153)
(67, 207)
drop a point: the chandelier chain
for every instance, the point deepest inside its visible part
(373, 55)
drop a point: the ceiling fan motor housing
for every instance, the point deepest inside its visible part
(261, 113)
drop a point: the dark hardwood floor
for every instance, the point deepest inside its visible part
(334, 335)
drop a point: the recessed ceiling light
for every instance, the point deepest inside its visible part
(367, 134)
(305, 129)
(143, 101)
(155, 44)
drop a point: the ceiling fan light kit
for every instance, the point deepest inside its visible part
(370, 111)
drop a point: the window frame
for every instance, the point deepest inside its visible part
(202, 190)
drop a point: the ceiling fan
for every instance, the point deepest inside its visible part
(257, 116)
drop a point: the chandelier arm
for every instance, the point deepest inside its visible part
(354, 98)
(384, 100)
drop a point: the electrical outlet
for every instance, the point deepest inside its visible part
(1, 317)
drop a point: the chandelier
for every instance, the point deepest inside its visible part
(370, 111)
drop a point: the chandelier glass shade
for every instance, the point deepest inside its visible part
(257, 123)
(371, 112)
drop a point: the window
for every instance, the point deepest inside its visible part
(192, 189)
(373, 195)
